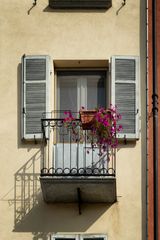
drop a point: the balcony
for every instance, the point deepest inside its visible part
(73, 170)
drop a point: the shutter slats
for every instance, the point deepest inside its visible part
(124, 84)
(35, 106)
(35, 69)
(125, 69)
(35, 90)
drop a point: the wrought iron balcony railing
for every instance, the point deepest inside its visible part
(69, 156)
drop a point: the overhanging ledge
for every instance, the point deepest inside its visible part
(64, 189)
(80, 4)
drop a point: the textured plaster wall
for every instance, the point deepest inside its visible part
(62, 35)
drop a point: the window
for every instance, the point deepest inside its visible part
(88, 88)
(79, 88)
(64, 237)
(79, 237)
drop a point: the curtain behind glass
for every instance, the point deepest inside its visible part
(95, 88)
(96, 93)
(67, 93)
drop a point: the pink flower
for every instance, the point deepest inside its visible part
(119, 128)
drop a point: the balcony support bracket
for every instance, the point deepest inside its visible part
(79, 200)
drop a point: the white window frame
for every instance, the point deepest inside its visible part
(78, 236)
(82, 87)
(92, 236)
(66, 236)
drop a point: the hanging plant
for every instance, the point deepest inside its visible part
(101, 126)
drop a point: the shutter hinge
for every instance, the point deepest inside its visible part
(125, 140)
(24, 111)
(35, 141)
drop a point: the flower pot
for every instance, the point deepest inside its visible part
(87, 118)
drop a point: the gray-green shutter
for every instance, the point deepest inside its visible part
(124, 76)
(35, 94)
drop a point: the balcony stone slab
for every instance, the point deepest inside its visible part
(75, 189)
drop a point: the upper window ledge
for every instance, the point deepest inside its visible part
(80, 4)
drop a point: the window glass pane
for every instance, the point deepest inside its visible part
(91, 85)
(93, 238)
(67, 93)
(96, 93)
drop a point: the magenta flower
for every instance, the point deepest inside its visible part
(103, 129)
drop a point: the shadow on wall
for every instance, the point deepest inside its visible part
(32, 214)
(26, 188)
(49, 9)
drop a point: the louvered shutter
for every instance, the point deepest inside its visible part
(35, 97)
(124, 93)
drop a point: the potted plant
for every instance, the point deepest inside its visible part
(87, 118)
(101, 126)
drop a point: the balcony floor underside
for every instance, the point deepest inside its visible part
(75, 189)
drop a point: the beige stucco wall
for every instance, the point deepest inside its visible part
(62, 35)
